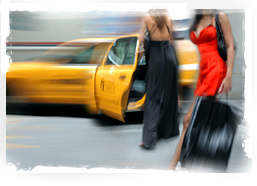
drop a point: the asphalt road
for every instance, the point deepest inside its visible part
(66, 137)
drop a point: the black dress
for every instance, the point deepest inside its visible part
(161, 105)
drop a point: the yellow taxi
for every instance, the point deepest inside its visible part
(104, 74)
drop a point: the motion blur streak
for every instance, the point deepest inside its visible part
(90, 59)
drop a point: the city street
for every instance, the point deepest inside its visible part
(65, 43)
(65, 136)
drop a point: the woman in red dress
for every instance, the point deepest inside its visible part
(215, 75)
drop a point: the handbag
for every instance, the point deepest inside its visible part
(221, 41)
(147, 46)
(209, 137)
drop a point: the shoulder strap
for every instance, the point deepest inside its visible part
(217, 17)
(167, 27)
(217, 22)
(153, 29)
(213, 20)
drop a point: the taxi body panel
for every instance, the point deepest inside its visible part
(188, 58)
(99, 73)
(115, 76)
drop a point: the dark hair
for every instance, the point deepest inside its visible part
(198, 17)
(159, 16)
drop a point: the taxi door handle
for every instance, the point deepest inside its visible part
(122, 77)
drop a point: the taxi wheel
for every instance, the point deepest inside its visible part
(8, 96)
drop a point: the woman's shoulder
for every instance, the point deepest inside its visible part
(222, 16)
(149, 21)
(169, 20)
(148, 18)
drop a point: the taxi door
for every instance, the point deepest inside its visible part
(115, 76)
(73, 82)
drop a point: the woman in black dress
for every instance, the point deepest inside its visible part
(161, 105)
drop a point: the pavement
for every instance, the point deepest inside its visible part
(68, 138)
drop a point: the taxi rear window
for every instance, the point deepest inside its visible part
(75, 53)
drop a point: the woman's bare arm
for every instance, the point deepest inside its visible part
(142, 30)
(227, 33)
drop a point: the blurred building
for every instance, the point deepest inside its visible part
(32, 33)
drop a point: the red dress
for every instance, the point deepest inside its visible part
(212, 67)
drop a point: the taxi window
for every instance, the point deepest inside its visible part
(122, 52)
(130, 56)
(76, 53)
(82, 58)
